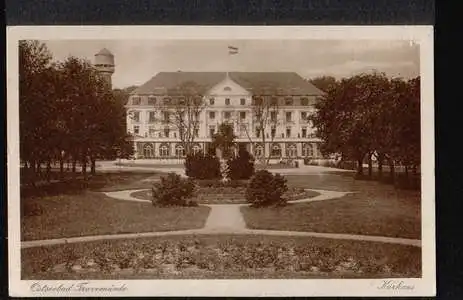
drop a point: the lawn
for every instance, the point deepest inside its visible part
(93, 213)
(221, 256)
(374, 209)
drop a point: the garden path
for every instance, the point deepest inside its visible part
(224, 219)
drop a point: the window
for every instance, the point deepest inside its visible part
(227, 115)
(181, 100)
(242, 115)
(196, 149)
(164, 151)
(259, 152)
(273, 131)
(179, 151)
(243, 101)
(291, 151)
(152, 131)
(303, 115)
(276, 150)
(307, 150)
(148, 151)
(196, 132)
(212, 115)
(151, 100)
(166, 101)
(166, 116)
(166, 132)
(211, 131)
(288, 101)
(274, 101)
(304, 101)
(288, 116)
(197, 115)
(136, 130)
(243, 130)
(211, 101)
(273, 116)
(175, 134)
(136, 100)
(257, 131)
(227, 101)
(288, 132)
(304, 132)
(152, 116)
(136, 116)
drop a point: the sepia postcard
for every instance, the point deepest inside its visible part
(220, 161)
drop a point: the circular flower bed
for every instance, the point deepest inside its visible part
(229, 195)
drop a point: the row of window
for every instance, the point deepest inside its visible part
(135, 116)
(243, 131)
(308, 150)
(152, 100)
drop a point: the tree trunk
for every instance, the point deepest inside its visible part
(84, 167)
(380, 166)
(61, 168)
(370, 165)
(74, 163)
(359, 166)
(48, 174)
(406, 171)
(39, 168)
(392, 171)
(93, 166)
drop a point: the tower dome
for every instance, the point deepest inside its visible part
(104, 63)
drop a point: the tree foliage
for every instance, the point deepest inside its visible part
(67, 112)
(224, 139)
(371, 115)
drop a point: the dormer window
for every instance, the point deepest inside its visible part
(136, 100)
(211, 101)
(289, 101)
(227, 89)
(181, 100)
(166, 101)
(304, 101)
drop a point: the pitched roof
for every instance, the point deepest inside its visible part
(280, 83)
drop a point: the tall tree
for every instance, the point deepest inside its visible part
(182, 112)
(324, 83)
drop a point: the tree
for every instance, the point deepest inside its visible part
(183, 110)
(324, 83)
(224, 139)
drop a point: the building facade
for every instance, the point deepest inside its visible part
(268, 111)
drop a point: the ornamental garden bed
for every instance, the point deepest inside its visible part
(221, 256)
(229, 195)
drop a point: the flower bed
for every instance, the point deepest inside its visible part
(221, 257)
(229, 195)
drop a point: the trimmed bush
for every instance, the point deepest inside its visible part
(266, 189)
(200, 166)
(173, 190)
(241, 167)
(216, 183)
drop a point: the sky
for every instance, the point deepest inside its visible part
(137, 61)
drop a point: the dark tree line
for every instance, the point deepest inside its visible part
(370, 115)
(67, 114)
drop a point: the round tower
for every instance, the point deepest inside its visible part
(104, 63)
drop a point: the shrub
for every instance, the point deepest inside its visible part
(241, 167)
(216, 183)
(266, 189)
(173, 190)
(200, 166)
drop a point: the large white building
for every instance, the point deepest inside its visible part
(285, 98)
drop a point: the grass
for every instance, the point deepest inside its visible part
(91, 213)
(221, 256)
(374, 209)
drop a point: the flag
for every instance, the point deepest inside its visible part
(232, 50)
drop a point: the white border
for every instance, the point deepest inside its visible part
(426, 286)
